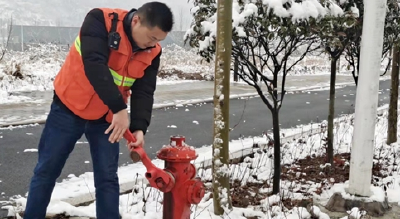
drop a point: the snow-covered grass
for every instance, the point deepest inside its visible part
(35, 69)
(185, 60)
(254, 175)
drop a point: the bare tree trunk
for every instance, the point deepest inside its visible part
(354, 76)
(220, 164)
(236, 69)
(180, 19)
(331, 116)
(356, 68)
(394, 95)
(277, 152)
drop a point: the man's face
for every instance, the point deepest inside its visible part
(145, 36)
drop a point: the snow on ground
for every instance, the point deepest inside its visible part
(34, 70)
(145, 202)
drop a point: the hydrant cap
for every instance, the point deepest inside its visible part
(177, 151)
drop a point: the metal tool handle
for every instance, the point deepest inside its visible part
(129, 136)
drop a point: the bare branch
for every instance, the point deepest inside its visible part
(387, 67)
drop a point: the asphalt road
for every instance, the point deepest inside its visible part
(251, 116)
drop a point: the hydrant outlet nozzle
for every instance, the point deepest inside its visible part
(195, 191)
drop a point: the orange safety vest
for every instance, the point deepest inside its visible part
(73, 87)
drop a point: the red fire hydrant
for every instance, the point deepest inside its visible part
(177, 180)
(188, 189)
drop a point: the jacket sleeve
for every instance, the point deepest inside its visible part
(95, 52)
(142, 97)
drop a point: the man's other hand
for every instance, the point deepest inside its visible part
(139, 140)
(119, 124)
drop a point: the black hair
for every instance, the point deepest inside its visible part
(156, 14)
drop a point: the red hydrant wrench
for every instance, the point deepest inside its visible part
(158, 178)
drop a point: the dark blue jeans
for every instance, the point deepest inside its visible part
(61, 132)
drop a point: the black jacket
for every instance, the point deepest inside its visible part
(95, 52)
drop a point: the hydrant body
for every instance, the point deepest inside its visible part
(188, 189)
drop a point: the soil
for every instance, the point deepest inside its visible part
(304, 171)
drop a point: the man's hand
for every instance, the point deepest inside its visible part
(139, 140)
(119, 124)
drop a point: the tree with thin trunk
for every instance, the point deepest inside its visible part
(335, 33)
(220, 164)
(235, 69)
(269, 61)
(392, 38)
(181, 19)
(335, 54)
(6, 39)
(394, 96)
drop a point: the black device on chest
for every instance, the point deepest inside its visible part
(113, 37)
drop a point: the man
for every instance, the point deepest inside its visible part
(116, 55)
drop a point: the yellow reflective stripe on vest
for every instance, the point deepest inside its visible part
(78, 45)
(128, 82)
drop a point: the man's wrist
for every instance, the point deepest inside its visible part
(138, 131)
(117, 107)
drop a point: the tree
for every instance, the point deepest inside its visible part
(6, 39)
(336, 33)
(181, 19)
(394, 95)
(220, 164)
(235, 69)
(339, 34)
(268, 41)
(352, 52)
(58, 22)
(362, 149)
(392, 38)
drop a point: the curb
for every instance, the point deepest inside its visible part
(25, 122)
(159, 106)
